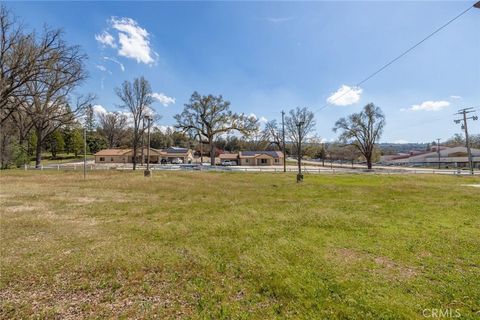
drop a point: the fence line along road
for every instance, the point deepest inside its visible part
(307, 170)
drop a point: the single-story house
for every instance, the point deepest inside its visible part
(255, 158)
(156, 156)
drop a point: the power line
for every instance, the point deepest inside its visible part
(398, 57)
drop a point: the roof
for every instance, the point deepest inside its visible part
(229, 156)
(175, 150)
(253, 154)
(113, 152)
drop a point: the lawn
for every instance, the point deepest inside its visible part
(238, 246)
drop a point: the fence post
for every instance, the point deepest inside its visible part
(25, 167)
(74, 167)
(41, 167)
(58, 167)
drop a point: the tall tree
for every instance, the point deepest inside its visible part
(49, 103)
(137, 98)
(298, 124)
(363, 130)
(211, 117)
(112, 127)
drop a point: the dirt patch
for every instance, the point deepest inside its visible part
(383, 266)
(391, 269)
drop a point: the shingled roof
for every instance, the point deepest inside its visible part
(252, 154)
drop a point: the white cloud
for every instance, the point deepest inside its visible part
(122, 67)
(430, 106)
(99, 109)
(400, 141)
(261, 119)
(133, 40)
(456, 97)
(106, 39)
(345, 96)
(163, 99)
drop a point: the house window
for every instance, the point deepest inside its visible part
(276, 160)
(111, 159)
(246, 160)
(263, 161)
(102, 159)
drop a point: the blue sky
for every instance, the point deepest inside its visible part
(269, 56)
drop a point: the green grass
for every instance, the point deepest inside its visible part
(237, 246)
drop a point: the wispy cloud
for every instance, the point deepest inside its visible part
(345, 96)
(428, 106)
(106, 39)
(163, 98)
(122, 67)
(455, 97)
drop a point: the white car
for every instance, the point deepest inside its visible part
(177, 161)
(226, 163)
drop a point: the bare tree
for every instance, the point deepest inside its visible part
(273, 134)
(299, 123)
(362, 129)
(48, 100)
(137, 98)
(210, 116)
(23, 57)
(112, 127)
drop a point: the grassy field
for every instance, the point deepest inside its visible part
(238, 246)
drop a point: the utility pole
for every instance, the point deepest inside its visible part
(464, 113)
(438, 151)
(299, 151)
(283, 144)
(143, 143)
(85, 152)
(147, 172)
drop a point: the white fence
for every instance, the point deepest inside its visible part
(305, 170)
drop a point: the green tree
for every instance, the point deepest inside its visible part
(76, 141)
(56, 143)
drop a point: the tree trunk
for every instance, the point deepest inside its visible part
(134, 159)
(38, 152)
(212, 152)
(369, 162)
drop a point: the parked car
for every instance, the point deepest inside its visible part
(227, 163)
(177, 161)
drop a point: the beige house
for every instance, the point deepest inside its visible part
(169, 155)
(255, 158)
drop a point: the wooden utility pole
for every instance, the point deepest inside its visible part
(464, 113)
(438, 151)
(85, 152)
(299, 151)
(283, 143)
(147, 172)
